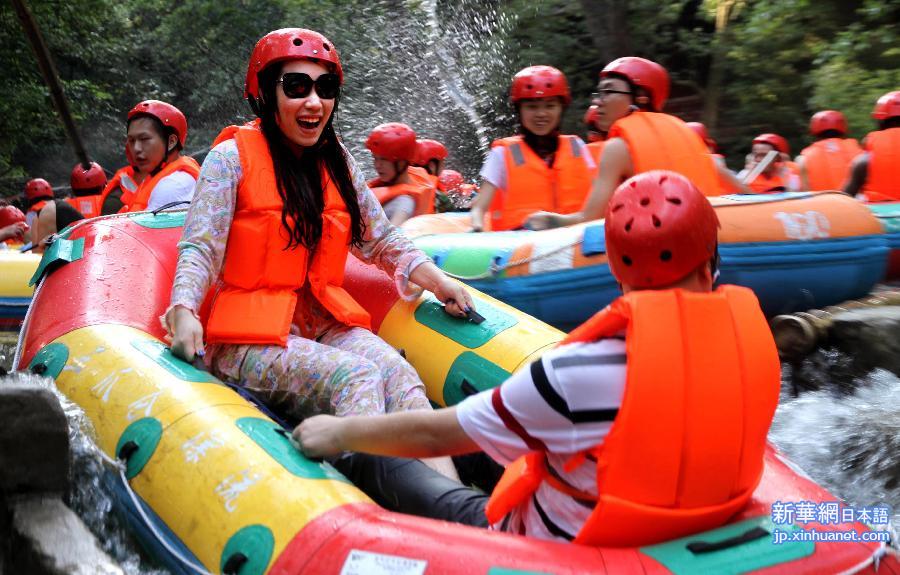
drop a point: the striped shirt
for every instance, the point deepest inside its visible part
(563, 403)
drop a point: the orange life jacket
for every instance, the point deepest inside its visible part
(257, 296)
(137, 201)
(685, 451)
(828, 162)
(123, 179)
(422, 189)
(725, 185)
(596, 149)
(87, 206)
(883, 175)
(532, 185)
(663, 142)
(764, 184)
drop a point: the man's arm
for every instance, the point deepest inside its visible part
(859, 172)
(419, 434)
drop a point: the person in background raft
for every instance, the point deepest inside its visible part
(630, 98)
(777, 176)
(125, 180)
(430, 156)
(157, 132)
(280, 206)
(12, 225)
(824, 163)
(877, 172)
(647, 423)
(539, 168)
(404, 190)
(728, 182)
(87, 187)
(85, 202)
(37, 193)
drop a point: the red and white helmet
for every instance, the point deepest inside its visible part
(539, 82)
(887, 106)
(774, 140)
(827, 120)
(659, 227)
(392, 141)
(38, 188)
(169, 115)
(10, 215)
(643, 73)
(427, 150)
(450, 180)
(89, 179)
(700, 130)
(289, 44)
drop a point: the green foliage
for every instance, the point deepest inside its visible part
(404, 59)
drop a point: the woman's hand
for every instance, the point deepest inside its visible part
(541, 221)
(456, 299)
(14, 231)
(187, 333)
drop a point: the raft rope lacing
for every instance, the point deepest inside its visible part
(494, 269)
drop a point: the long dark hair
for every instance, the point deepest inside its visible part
(299, 180)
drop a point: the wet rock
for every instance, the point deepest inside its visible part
(870, 336)
(50, 539)
(34, 441)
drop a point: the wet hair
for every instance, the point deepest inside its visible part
(299, 180)
(161, 130)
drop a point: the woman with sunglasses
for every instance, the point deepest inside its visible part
(539, 168)
(639, 138)
(279, 206)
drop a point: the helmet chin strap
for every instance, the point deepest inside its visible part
(163, 162)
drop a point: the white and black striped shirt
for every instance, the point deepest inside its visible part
(563, 403)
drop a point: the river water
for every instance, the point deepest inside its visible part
(847, 438)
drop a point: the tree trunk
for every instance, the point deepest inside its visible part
(607, 23)
(725, 10)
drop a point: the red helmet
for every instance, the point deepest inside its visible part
(659, 228)
(289, 44)
(827, 120)
(539, 82)
(774, 140)
(427, 150)
(89, 179)
(450, 180)
(643, 73)
(700, 130)
(10, 215)
(887, 106)
(590, 116)
(166, 113)
(392, 141)
(38, 188)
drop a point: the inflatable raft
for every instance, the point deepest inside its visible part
(888, 213)
(15, 293)
(213, 485)
(795, 250)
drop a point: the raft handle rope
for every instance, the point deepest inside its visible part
(169, 205)
(699, 547)
(120, 464)
(496, 269)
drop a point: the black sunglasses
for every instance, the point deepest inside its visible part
(299, 85)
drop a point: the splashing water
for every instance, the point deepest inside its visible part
(443, 69)
(88, 496)
(848, 443)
